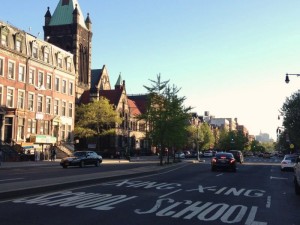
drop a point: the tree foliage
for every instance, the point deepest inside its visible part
(166, 115)
(291, 120)
(96, 118)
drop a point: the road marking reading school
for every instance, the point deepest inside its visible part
(164, 207)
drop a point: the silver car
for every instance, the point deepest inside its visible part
(288, 162)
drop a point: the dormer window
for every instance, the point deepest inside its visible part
(18, 42)
(69, 64)
(34, 49)
(46, 54)
(4, 36)
(59, 59)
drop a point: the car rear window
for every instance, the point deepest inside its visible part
(222, 155)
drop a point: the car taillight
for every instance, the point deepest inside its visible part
(284, 162)
(214, 160)
(232, 160)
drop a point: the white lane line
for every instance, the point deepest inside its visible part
(220, 174)
(11, 179)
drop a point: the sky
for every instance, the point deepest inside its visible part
(227, 57)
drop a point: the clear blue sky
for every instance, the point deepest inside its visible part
(228, 57)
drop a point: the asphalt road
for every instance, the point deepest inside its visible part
(188, 193)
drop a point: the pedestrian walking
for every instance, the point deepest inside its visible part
(53, 153)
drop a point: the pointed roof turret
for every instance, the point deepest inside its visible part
(63, 13)
(88, 22)
(48, 17)
(119, 82)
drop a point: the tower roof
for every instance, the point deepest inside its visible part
(63, 13)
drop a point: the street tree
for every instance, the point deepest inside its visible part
(291, 120)
(166, 116)
(95, 119)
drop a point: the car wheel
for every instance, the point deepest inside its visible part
(81, 164)
(213, 169)
(65, 166)
(297, 187)
(97, 164)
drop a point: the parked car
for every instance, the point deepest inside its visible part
(238, 155)
(179, 155)
(81, 158)
(208, 153)
(223, 160)
(297, 176)
(288, 162)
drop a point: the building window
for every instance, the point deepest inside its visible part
(48, 105)
(40, 103)
(59, 61)
(29, 126)
(41, 79)
(21, 99)
(10, 98)
(63, 108)
(63, 132)
(57, 84)
(31, 76)
(42, 124)
(56, 107)
(69, 64)
(49, 81)
(11, 70)
(18, 45)
(1, 66)
(71, 87)
(4, 39)
(34, 50)
(69, 132)
(20, 135)
(46, 54)
(33, 128)
(47, 128)
(142, 127)
(64, 86)
(1, 95)
(30, 101)
(21, 73)
(70, 110)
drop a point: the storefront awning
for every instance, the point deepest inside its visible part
(42, 139)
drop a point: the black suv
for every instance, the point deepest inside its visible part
(238, 155)
(82, 158)
(297, 176)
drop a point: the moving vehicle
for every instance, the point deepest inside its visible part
(82, 158)
(297, 176)
(223, 160)
(238, 155)
(288, 162)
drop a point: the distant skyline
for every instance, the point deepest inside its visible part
(228, 57)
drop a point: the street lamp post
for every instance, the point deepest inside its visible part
(287, 79)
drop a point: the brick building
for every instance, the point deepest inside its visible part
(37, 89)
